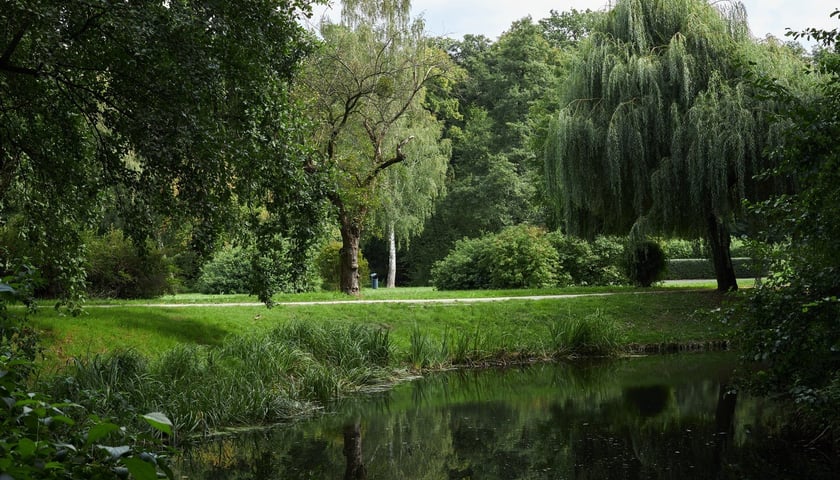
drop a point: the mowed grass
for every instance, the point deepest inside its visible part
(665, 315)
(402, 293)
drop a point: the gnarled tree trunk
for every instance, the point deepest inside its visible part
(351, 234)
(719, 241)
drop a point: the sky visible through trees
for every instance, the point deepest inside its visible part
(492, 17)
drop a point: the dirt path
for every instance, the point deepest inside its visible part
(442, 301)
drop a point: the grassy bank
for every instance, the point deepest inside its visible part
(642, 318)
(215, 366)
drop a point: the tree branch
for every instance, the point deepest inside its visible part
(7, 55)
(398, 158)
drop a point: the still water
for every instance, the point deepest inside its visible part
(657, 417)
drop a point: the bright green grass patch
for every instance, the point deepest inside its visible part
(642, 318)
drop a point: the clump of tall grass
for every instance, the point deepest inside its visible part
(468, 347)
(421, 350)
(594, 334)
(250, 379)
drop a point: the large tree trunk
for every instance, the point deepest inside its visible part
(719, 241)
(392, 257)
(351, 233)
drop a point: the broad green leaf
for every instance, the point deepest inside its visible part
(99, 431)
(159, 421)
(63, 419)
(26, 447)
(140, 470)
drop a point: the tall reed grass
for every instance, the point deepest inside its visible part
(250, 379)
(301, 367)
(594, 334)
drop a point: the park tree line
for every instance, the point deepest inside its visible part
(189, 134)
(236, 129)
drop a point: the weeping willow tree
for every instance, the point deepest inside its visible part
(366, 87)
(660, 132)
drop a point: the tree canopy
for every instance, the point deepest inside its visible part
(366, 86)
(510, 91)
(180, 106)
(659, 131)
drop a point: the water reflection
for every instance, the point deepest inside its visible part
(656, 417)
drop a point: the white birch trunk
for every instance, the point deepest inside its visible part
(392, 258)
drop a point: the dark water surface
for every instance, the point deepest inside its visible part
(668, 417)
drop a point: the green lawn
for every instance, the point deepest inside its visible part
(665, 314)
(402, 293)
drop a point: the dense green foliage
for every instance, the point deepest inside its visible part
(583, 262)
(229, 271)
(47, 439)
(527, 257)
(157, 109)
(659, 132)
(516, 257)
(116, 268)
(43, 439)
(503, 108)
(790, 325)
(644, 263)
(702, 268)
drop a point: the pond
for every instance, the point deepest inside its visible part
(672, 416)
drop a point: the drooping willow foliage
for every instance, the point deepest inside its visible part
(660, 130)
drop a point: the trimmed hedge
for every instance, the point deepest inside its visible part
(702, 268)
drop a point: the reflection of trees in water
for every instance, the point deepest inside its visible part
(602, 422)
(355, 469)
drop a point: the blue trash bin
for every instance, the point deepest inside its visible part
(374, 282)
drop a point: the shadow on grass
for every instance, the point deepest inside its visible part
(183, 330)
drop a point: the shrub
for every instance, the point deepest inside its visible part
(682, 248)
(229, 271)
(243, 270)
(517, 257)
(463, 268)
(702, 268)
(645, 263)
(588, 263)
(608, 253)
(521, 257)
(575, 257)
(116, 268)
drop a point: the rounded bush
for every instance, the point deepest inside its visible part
(229, 271)
(463, 268)
(645, 263)
(517, 257)
(588, 263)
